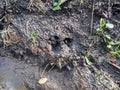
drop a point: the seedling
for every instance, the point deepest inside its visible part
(34, 37)
(113, 46)
(56, 5)
(103, 26)
(89, 59)
(115, 53)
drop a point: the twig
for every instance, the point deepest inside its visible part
(91, 26)
(114, 65)
(44, 70)
(109, 9)
(51, 68)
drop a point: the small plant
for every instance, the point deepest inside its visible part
(89, 59)
(34, 37)
(56, 5)
(103, 26)
(113, 46)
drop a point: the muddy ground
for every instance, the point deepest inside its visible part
(36, 39)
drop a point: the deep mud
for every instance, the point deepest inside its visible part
(62, 41)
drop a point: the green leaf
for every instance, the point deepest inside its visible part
(115, 53)
(56, 5)
(109, 26)
(62, 1)
(87, 60)
(34, 36)
(98, 31)
(115, 43)
(109, 46)
(107, 37)
(56, 8)
(102, 23)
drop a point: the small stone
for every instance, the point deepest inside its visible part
(75, 63)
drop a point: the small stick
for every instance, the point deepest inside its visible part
(51, 68)
(114, 65)
(109, 8)
(91, 26)
(44, 69)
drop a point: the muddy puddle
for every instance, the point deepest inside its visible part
(9, 79)
(19, 75)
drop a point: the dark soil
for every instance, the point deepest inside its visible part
(64, 38)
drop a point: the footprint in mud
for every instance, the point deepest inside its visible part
(8, 78)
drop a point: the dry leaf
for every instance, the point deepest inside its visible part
(42, 80)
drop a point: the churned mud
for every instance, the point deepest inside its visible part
(37, 42)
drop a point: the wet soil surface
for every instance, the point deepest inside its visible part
(37, 39)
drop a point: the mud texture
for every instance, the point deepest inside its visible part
(37, 39)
